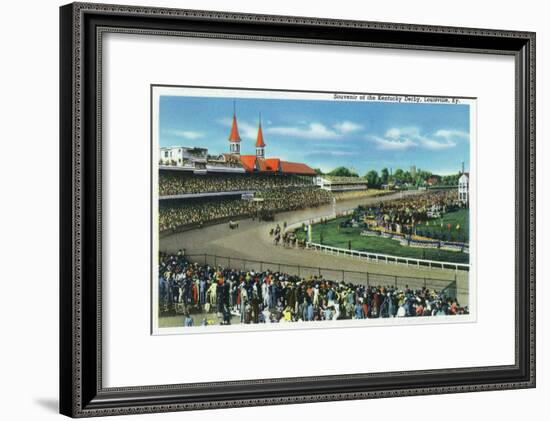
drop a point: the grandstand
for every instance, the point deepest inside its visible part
(176, 183)
(187, 199)
(341, 184)
(177, 214)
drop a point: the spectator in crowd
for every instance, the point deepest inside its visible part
(270, 297)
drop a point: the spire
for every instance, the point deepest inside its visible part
(260, 139)
(234, 135)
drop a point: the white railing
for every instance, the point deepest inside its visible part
(386, 258)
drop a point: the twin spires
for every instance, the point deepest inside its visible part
(235, 138)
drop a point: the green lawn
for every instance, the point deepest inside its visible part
(333, 235)
(434, 229)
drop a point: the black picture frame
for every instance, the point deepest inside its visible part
(81, 390)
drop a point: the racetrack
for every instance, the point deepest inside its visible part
(251, 241)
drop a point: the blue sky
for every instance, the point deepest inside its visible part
(326, 134)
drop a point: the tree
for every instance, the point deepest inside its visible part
(450, 180)
(318, 171)
(399, 175)
(384, 176)
(372, 179)
(343, 172)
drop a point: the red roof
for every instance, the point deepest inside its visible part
(248, 162)
(296, 168)
(234, 135)
(260, 139)
(251, 163)
(271, 164)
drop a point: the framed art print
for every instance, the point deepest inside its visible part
(300, 209)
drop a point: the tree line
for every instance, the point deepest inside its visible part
(399, 176)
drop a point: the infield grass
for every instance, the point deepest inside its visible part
(331, 234)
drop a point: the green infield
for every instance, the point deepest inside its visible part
(331, 234)
(439, 228)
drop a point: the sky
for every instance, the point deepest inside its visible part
(360, 135)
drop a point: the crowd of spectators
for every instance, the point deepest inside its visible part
(182, 183)
(293, 199)
(272, 297)
(172, 216)
(199, 212)
(411, 210)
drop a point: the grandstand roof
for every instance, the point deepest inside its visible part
(260, 139)
(274, 165)
(296, 168)
(234, 135)
(270, 164)
(248, 162)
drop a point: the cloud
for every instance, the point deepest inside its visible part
(317, 130)
(392, 145)
(185, 134)
(309, 131)
(346, 127)
(302, 130)
(452, 134)
(434, 145)
(410, 137)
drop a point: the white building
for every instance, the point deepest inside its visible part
(463, 186)
(339, 184)
(180, 156)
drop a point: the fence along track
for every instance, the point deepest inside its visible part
(386, 258)
(450, 286)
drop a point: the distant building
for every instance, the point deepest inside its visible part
(339, 184)
(413, 171)
(433, 179)
(463, 187)
(181, 155)
(197, 161)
